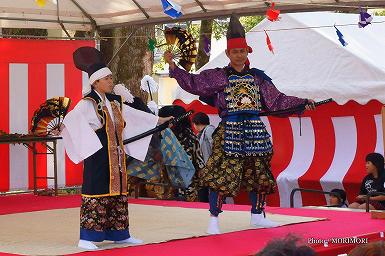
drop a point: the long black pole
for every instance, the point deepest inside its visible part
(176, 120)
(294, 109)
(157, 128)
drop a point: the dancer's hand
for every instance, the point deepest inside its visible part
(168, 58)
(57, 131)
(310, 105)
(164, 119)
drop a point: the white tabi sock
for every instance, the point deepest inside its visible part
(87, 245)
(258, 220)
(131, 240)
(213, 228)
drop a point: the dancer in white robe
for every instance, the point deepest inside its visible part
(93, 132)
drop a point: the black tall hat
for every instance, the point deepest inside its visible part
(236, 36)
(235, 29)
(90, 60)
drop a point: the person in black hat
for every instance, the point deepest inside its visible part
(373, 182)
(242, 148)
(93, 132)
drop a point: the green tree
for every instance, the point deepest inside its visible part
(379, 12)
(220, 26)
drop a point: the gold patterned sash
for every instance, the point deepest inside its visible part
(116, 155)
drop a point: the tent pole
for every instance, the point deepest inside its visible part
(141, 9)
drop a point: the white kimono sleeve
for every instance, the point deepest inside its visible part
(80, 140)
(137, 122)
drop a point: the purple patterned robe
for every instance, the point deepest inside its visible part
(213, 82)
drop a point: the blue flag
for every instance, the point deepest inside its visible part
(171, 9)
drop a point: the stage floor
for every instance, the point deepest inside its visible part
(37, 225)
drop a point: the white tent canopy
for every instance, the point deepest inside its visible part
(312, 63)
(85, 14)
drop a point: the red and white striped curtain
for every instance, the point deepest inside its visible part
(32, 71)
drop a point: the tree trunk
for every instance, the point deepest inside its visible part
(205, 31)
(134, 60)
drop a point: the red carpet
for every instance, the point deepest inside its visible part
(339, 224)
(29, 203)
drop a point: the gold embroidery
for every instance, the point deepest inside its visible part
(242, 93)
(119, 125)
(116, 153)
(104, 195)
(96, 106)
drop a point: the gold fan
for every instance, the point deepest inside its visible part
(183, 46)
(49, 116)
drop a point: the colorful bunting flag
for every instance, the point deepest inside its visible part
(272, 14)
(40, 3)
(171, 9)
(206, 45)
(340, 37)
(268, 42)
(365, 18)
(151, 44)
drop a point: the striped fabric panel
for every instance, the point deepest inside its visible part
(33, 71)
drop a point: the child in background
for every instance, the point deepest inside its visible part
(338, 201)
(373, 182)
(201, 123)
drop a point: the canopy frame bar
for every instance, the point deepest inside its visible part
(46, 20)
(93, 23)
(141, 9)
(205, 13)
(59, 21)
(201, 6)
(284, 8)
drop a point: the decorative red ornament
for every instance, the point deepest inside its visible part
(272, 14)
(268, 42)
